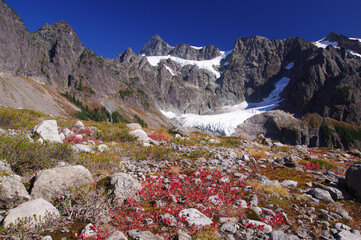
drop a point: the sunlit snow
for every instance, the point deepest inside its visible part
(169, 69)
(323, 44)
(198, 48)
(204, 64)
(226, 122)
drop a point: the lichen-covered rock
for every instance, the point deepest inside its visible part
(12, 191)
(56, 181)
(124, 186)
(35, 212)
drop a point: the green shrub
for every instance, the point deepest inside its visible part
(140, 121)
(19, 119)
(117, 118)
(26, 157)
(116, 134)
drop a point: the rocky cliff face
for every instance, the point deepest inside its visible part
(327, 83)
(19, 53)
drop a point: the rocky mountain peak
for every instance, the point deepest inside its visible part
(344, 42)
(156, 47)
(127, 56)
(59, 32)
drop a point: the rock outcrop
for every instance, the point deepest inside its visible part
(312, 130)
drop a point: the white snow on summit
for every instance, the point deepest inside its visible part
(225, 123)
(205, 64)
(323, 44)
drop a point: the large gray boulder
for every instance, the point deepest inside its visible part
(353, 179)
(193, 216)
(52, 182)
(48, 130)
(124, 186)
(12, 191)
(117, 235)
(143, 235)
(32, 213)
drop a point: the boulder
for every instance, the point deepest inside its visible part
(193, 216)
(353, 180)
(12, 191)
(35, 212)
(134, 126)
(102, 147)
(143, 235)
(84, 148)
(48, 130)
(346, 235)
(182, 235)
(78, 126)
(56, 181)
(279, 235)
(124, 186)
(5, 168)
(257, 224)
(117, 235)
(142, 136)
(320, 194)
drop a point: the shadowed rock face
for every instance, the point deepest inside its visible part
(327, 83)
(344, 42)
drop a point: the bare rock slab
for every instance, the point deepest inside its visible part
(52, 182)
(353, 179)
(36, 211)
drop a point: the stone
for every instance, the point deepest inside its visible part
(117, 235)
(5, 168)
(266, 228)
(279, 235)
(193, 216)
(56, 181)
(42, 209)
(89, 231)
(289, 183)
(142, 136)
(67, 132)
(353, 179)
(182, 235)
(335, 193)
(12, 191)
(320, 194)
(143, 235)
(168, 219)
(47, 238)
(346, 235)
(124, 186)
(228, 220)
(229, 227)
(134, 126)
(78, 126)
(102, 147)
(48, 130)
(242, 203)
(84, 148)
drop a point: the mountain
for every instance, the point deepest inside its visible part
(322, 77)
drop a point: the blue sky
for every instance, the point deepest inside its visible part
(108, 27)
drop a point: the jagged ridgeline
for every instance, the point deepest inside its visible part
(182, 79)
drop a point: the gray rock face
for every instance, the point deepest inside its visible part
(353, 179)
(39, 207)
(19, 54)
(12, 191)
(125, 186)
(279, 235)
(53, 182)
